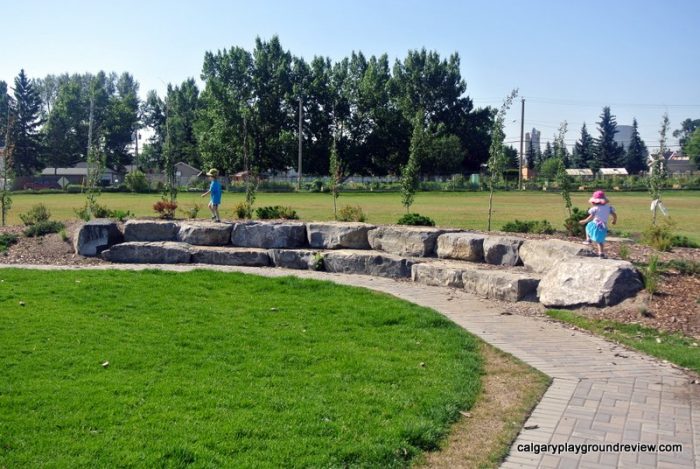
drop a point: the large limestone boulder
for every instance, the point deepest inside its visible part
(150, 230)
(441, 274)
(150, 252)
(205, 233)
(368, 263)
(269, 235)
(338, 235)
(461, 246)
(96, 236)
(415, 241)
(217, 255)
(541, 255)
(303, 259)
(500, 284)
(502, 250)
(581, 281)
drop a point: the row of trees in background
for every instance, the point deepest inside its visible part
(247, 115)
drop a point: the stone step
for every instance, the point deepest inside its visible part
(500, 284)
(375, 263)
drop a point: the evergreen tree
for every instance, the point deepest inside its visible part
(547, 154)
(636, 161)
(26, 135)
(530, 155)
(584, 151)
(4, 108)
(609, 153)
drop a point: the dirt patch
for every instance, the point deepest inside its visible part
(483, 436)
(50, 249)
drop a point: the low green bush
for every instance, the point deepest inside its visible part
(658, 237)
(415, 219)
(241, 211)
(679, 241)
(275, 212)
(572, 225)
(535, 226)
(37, 214)
(43, 228)
(351, 213)
(101, 211)
(684, 267)
(7, 240)
(136, 181)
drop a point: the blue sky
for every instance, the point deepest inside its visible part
(568, 59)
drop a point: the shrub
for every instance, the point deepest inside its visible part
(120, 215)
(683, 242)
(7, 240)
(136, 181)
(659, 237)
(100, 211)
(276, 211)
(192, 212)
(242, 211)
(517, 226)
(43, 228)
(37, 214)
(572, 225)
(351, 213)
(165, 209)
(415, 219)
(684, 267)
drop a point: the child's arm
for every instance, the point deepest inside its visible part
(207, 192)
(589, 218)
(614, 217)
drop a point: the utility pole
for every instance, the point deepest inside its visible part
(300, 136)
(520, 160)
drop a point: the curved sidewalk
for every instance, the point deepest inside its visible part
(600, 393)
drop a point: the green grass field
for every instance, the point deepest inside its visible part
(222, 370)
(450, 209)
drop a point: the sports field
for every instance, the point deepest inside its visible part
(449, 209)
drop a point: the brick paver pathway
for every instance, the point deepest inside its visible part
(601, 393)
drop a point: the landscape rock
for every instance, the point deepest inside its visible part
(441, 274)
(502, 250)
(95, 236)
(368, 263)
(541, 255)
(150, 230)
(269, 235)
(292, 258)
(338, 235)
(215, 255)
(501, 284)
(414, 241)
(579, 281)
(461, 246)
(149, 252)
(205, 233)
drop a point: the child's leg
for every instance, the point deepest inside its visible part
(215, 210)
(212, 209)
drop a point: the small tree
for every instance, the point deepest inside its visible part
(657, 176)
(335, 177)
(410, 172)
(6, 170)
(95, 163)
(563, 179)
(497, 160)
(170, 189)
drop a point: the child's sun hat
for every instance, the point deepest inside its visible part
(598, 198)
(213, 172)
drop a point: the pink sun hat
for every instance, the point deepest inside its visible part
(598, 198)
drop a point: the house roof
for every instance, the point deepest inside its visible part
(79, 170)
(579, 172)
(613, 171)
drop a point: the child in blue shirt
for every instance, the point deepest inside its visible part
(215, 191)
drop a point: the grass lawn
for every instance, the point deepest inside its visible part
(452, 209)
(221, 369)
(675, 348)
